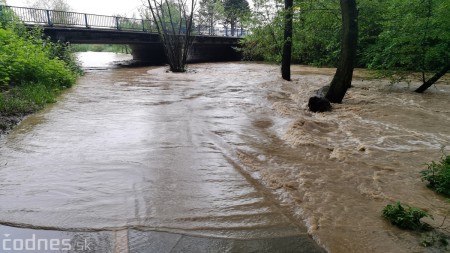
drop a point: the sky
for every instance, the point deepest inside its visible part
(102, 7)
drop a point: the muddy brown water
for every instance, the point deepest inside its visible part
(226, 150)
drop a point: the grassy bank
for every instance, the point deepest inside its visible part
(23, 100)
(33, 70)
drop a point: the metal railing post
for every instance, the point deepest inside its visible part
(49, 19)
(86, 21)
(117, 23)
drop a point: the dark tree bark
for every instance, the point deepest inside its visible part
(433, 79)
(342, 79)
(287, 45)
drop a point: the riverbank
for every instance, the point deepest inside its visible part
(18, 102)
(8, 122)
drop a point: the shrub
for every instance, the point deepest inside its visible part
(438, 175)
(24, 61)
(33, 69)
(406, 217)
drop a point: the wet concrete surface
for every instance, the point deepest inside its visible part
(138, 241)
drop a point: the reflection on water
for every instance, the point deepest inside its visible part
(94, 60)
(136, 148)
(205, 152)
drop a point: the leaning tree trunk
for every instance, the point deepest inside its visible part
(433, 80)
(287, 45)
(343, 78)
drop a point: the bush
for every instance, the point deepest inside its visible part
(33, 70)
(438, 175)
(21, 60)
(406, 217)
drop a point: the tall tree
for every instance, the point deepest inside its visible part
(210, 11)
(235, 11)
(343, 77)
(174, 24)
(415, 37)
(287, 46)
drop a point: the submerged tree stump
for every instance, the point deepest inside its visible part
(318, 102)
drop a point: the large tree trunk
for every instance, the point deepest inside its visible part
(433, 80)
(287, 45)
(343, 78)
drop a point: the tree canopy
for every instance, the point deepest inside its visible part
(235, 11)
(394, 35)
(210, 11)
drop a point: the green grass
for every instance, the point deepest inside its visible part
(26, 99)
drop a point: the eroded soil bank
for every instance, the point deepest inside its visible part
(227, 150)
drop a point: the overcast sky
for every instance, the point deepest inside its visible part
(103, 7)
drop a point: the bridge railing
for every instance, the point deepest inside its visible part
(81, 20)
(51, 18)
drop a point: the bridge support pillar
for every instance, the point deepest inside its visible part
(213, 53)
(148, 53)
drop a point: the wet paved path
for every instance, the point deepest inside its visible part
(128, 152)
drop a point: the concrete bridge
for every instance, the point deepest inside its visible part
(139, 34)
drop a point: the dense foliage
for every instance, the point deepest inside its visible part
(394, 34)
(438, 175)
(24, 60)
(32, 69)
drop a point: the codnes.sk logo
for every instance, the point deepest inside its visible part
(33, 243)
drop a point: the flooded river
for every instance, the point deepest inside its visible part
(226, 150)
